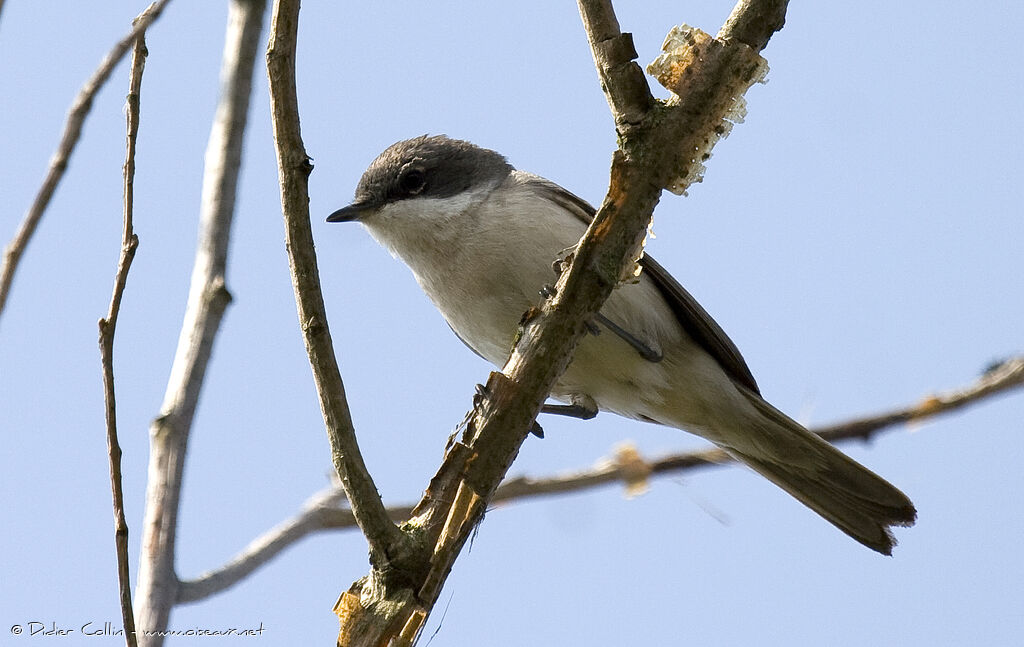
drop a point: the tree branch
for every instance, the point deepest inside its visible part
(107, 326)
(655, 151)
(72, 130)
(321, 511)
(316, 514)
(623, 81)
(386, 541)
(156, 591)
(752, 22)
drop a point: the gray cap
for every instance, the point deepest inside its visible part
(434, 167)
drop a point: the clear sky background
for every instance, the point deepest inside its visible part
(860, 238)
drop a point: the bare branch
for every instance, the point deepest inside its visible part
(208, 298)
(1005, 376)
(386, 540)
(753, 22)
(623, 81)
(129, 243)
(321, 511)
(263, 548)
(59, 162)
(655, 151)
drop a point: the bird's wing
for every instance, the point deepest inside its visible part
(692, 317)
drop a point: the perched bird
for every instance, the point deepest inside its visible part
(480, 238)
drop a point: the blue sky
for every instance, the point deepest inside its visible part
(859, 238)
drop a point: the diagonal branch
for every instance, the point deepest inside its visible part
(208, 298)
(655, 151)
(386, 540)
(321, 511)
(264, 548)
(59, 162)
(129, 243)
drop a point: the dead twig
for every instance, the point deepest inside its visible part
(386, 541)
(107, 326)
(157, 587)
(72, 130)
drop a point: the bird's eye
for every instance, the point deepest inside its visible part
(412, 181)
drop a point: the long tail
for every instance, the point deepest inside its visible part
(850, 496)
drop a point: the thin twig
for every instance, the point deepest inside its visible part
(72, 130)
(321, 511)
(129, 243)
(266, 546)
(156, 591)
(386, 540)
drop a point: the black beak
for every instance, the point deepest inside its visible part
(352, 213)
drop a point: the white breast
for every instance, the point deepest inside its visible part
(484, 257)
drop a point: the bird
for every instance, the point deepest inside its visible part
(480, 237)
